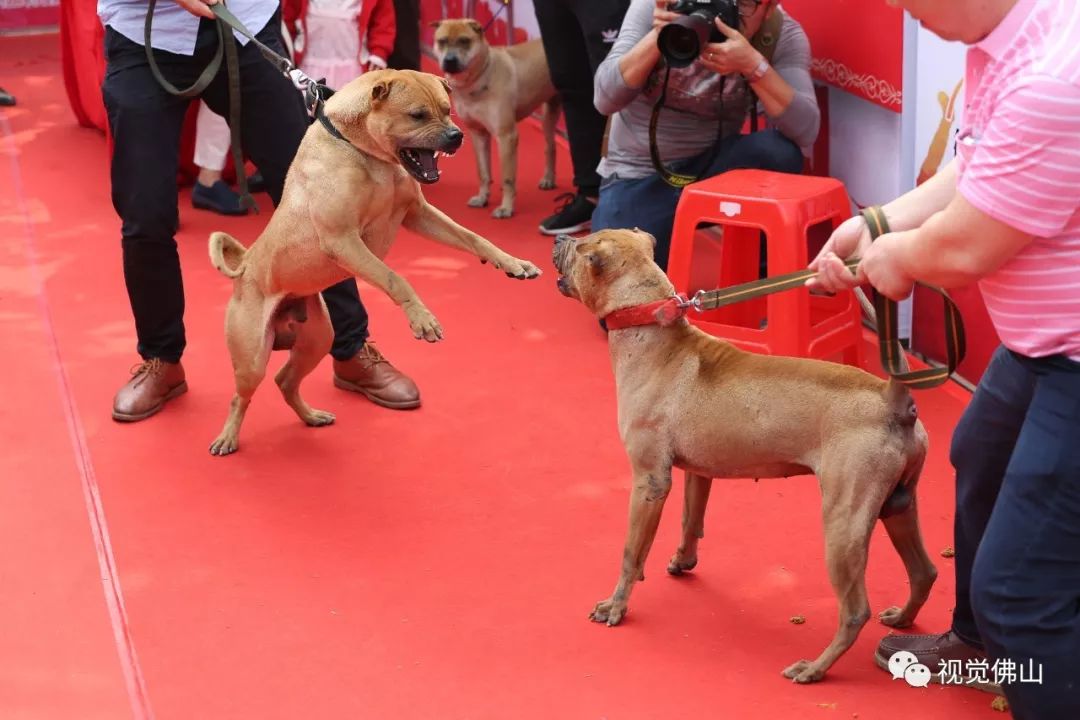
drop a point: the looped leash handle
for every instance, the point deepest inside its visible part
(888, 330)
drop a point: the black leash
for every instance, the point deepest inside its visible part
(316, 93)
(502, 7)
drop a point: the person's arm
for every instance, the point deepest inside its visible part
(622, 75)
(852, 237)
(382, 29)
(1021, 182)
(785, 90)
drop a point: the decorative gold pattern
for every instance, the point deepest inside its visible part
(876, 89)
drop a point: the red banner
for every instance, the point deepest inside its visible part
(19, 14)
(857, 45)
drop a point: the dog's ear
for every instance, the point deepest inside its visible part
(477, 27)
(446, 84)
(435, 24)
(381, 90)
(652, 238)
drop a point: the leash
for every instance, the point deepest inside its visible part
(316, 93)
(502, 7)
(665, 312)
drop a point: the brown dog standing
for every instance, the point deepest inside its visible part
(355, 179)
(679, 389)
(494, 88)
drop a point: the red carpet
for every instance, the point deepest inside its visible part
(433, 564)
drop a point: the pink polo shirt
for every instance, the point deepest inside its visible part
(1018, 155)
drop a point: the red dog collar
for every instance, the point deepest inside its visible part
(661, 312)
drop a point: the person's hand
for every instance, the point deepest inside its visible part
(661, 16)
(734, 55)
(880, 266)
(198, 7)
(850, 240)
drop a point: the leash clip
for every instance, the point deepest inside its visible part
(683, 302)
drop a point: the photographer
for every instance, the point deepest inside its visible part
(706, 105)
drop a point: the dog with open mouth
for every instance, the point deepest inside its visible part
(692, 401)
(355, 180)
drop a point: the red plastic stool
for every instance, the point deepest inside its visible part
(785, 207)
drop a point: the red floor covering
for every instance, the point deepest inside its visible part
(433, 564)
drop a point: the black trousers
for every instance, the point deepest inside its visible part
(406, 53)
(146, 123)
(577, 35)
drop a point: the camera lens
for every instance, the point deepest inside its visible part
(681, 40)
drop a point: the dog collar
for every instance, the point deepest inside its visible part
(661, 312)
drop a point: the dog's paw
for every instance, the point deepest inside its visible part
(225, 444)
(804, 672)
(319, 418)
(680, 564)
(608, 611)
(894, 617)
(478, 201)
(548, 183)
(519, 269)
(423, 323)
(501, 213)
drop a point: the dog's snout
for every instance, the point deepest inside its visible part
(452, 138)
(451, 64)
(560, 251)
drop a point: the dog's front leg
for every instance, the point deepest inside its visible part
(651, 488)
(508, 143)
(427, 220)
(481, 142)
(352, 253)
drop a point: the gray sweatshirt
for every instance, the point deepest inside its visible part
(689, 121)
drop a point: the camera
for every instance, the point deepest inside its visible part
(681, 40)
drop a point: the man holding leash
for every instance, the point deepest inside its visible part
(1004, 213)
(146, 122)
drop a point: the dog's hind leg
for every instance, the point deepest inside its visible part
(250, 338)
(550, 119)
(693, 523)
(651, 488)
(849, 520)
(903, 529)
(313, 340)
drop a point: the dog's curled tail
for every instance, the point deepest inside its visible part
(227, 254)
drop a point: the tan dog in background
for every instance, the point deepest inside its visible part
(494, 88)
(343, 202)
(692, 401)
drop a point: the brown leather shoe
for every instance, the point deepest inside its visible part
(153, 383)
(372, 375)
(951, 660)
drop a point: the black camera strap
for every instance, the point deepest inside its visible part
(678, 180)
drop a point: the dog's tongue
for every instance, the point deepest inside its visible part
(429, 164)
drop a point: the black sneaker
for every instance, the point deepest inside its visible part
(6, 98)
(256, 183)
(574, 215)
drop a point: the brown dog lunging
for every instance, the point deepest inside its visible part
(355, 179)
(678, 391)
(495, 88)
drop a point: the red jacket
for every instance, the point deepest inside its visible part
(376, 23)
